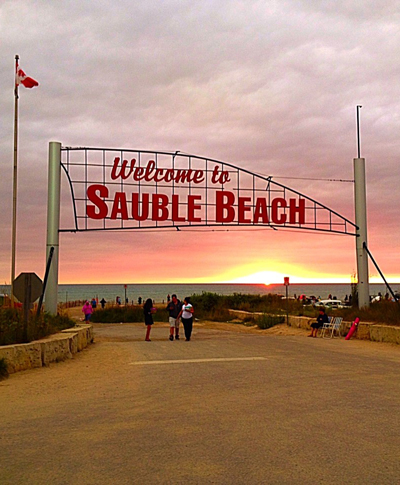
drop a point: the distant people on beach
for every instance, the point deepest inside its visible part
(103, 303)
(321, 319)
(186, 315)
(329, 297)
(118, 300)
(139, 300)
(169, 298)
(94, 303)
(174, 308)
(148, 311)
(87, 310)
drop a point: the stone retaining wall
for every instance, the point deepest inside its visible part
(55, 348)
(376, 332)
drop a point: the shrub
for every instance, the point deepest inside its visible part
(386, 312)
(220, 315)
(248, 320)
(47, 324)
(267, 321)
(207, 303)
(128, 314)
(3, 369)
(210, 305)
(12, 326)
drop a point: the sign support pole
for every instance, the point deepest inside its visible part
(53, 225)
(286, 283)
(360, 199)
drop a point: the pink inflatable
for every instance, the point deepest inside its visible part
(353, 329)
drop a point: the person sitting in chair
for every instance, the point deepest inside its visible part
(321, 319)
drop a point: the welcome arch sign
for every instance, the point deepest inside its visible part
(136, 189)
(122, 189)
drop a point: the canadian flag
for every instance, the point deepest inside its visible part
(22, 78)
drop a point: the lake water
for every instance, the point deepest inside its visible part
(159, 292)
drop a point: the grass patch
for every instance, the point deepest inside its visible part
(12, 326)
(249, 321)
(128, 314)
(214, 307)
(211, 306)
(385, 312)
(268, 321)
(219, 315)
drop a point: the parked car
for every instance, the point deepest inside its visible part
(329, 303)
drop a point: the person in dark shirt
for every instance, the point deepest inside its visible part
(321, 319)
(148, 311)
(174, 307)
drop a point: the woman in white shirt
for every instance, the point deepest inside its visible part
(186, 315)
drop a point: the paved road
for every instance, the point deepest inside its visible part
(225, 408)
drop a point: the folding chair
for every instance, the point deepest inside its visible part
(327, 326)
(336, 325)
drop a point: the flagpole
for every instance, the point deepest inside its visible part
(14, 219)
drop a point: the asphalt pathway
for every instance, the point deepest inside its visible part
(227, 407)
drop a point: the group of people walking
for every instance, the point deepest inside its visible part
(178, 312)
(90, 306)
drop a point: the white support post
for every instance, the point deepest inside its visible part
(360, 199)
(53, 225)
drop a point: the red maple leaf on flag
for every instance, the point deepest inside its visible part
(22, 78)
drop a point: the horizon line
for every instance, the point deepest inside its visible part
(232, 283)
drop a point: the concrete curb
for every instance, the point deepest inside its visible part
(55, 348)
(375, 332)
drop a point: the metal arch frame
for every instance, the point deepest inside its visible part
(71, 186)
(346, 222)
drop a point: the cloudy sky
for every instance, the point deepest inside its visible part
(269, 86)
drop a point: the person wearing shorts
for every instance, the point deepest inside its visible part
(174, 308)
